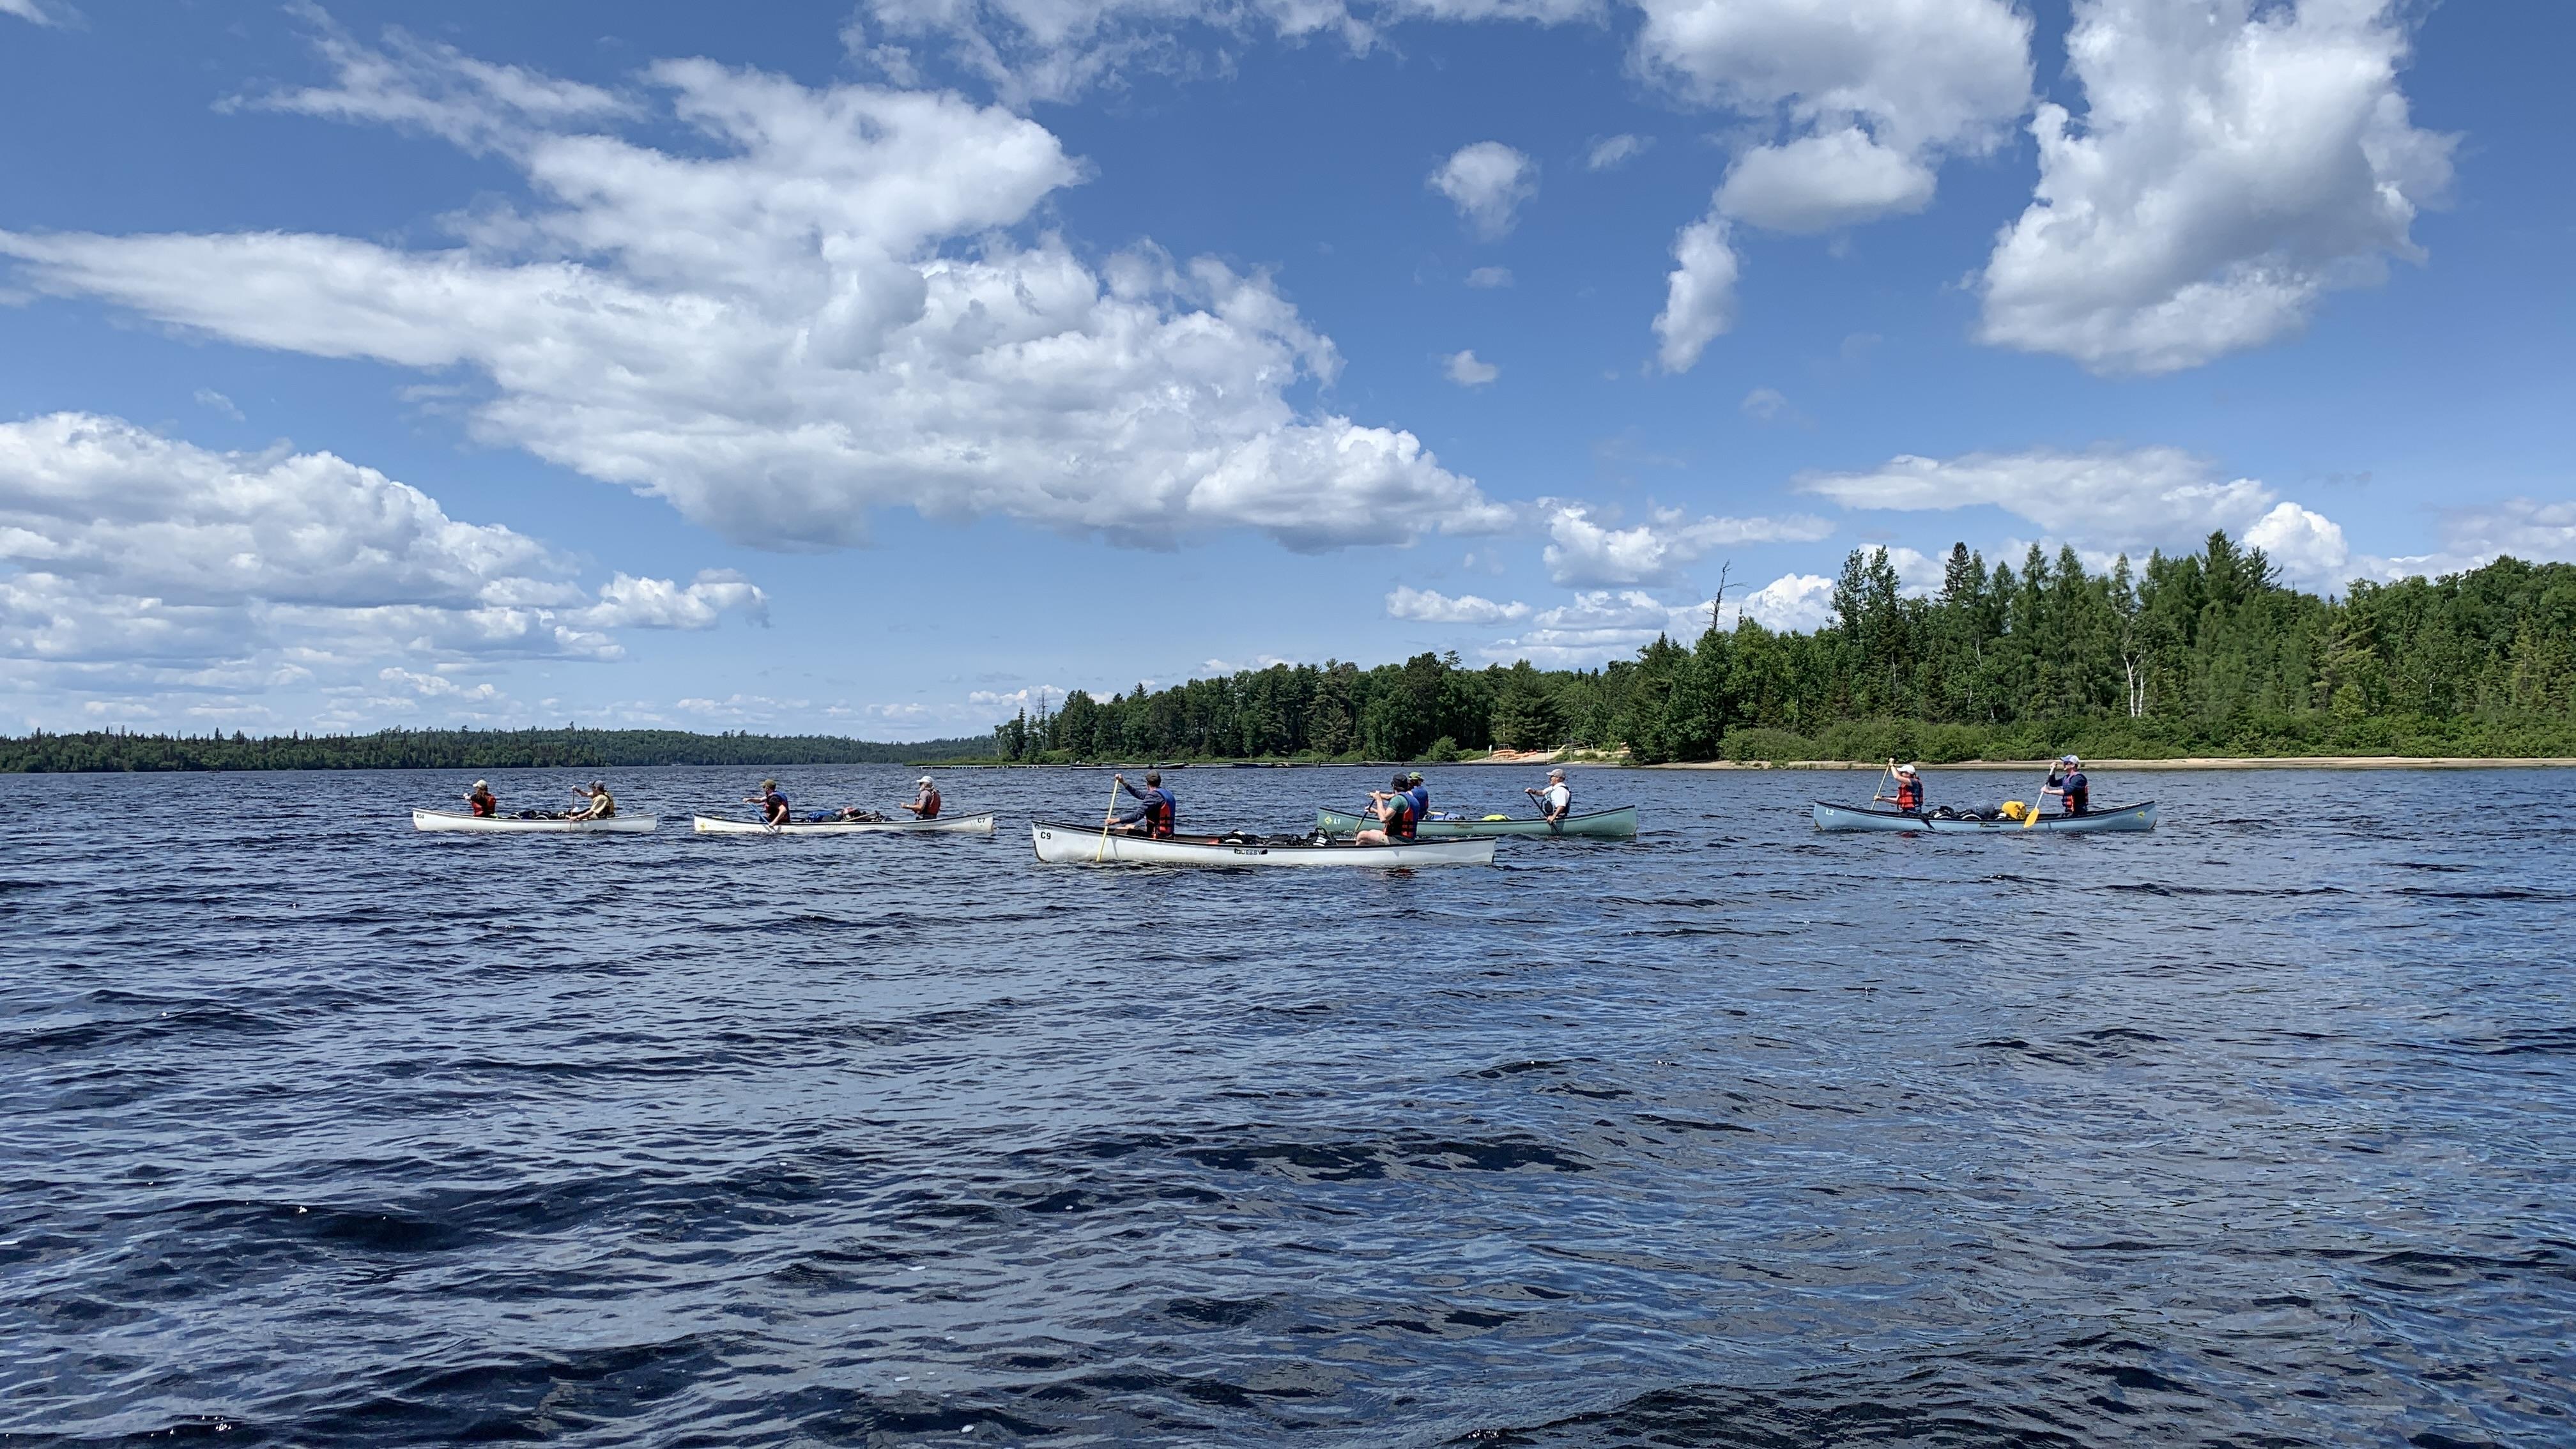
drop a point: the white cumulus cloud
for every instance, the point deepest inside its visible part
(1699, 294)
(1791, 603)
(1488, 277)
(813, 309)
(32, 12)
(1612, 152)
(1583, 552)
(133, 563)
(1428, 607)
(1820, 183)
(1464, 369)
(2106, 500)
(2235, 162)
(1488, 182)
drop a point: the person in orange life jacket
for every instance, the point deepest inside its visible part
(1909, 789)
(925, 805)
(480, 801)
(1156, 810)
(1394, 812)
(773, 806)
(2067, 783)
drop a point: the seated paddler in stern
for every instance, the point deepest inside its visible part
(925, 800)
(1394, 811)
(774, 810)
(1156, 811)
(597, 803)
(480, 800)
(1556, 800)
(1909, 789)
(2066, 781)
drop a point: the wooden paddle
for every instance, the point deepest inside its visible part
(2031, 819)
(1105, 816)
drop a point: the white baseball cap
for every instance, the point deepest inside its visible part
(1905, 769)
(924, 780)
(479, 785)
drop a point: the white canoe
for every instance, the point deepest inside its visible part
(1090, 845)
(945, 825)
(505, 825)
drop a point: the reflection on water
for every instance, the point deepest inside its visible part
(318, 1131)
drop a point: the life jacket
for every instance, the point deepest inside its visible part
(1162, 810)
(773, 806)
(930, 807)
(2079, 793)
(1399, 818)
(1909, 792)
(483, 806)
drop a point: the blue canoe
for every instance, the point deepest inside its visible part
(1852, 817)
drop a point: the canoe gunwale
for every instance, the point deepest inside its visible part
(1589, 825)
(450, 822)
(2135, 818)
(980, 823)
(1089, 844)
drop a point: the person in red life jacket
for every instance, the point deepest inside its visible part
(773, 806)
(1156, 811)
(2067, 783)
(1394, 812)
(1909, 789)
(480, 801)
(925, 804)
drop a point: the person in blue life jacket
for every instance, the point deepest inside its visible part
(1394, 811)
(1156, 811)
(1421, 794)
(2066, 781)
(1909, 789)
(773, 806)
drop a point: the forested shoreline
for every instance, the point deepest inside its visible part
(2203, 654)
(2198, 655)
(406, 749)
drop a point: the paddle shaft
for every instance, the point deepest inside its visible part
(1105, 817)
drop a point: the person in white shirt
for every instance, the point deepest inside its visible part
(1556, 801)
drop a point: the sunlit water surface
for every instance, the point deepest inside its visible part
(314, 1130)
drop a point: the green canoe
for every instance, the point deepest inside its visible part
(1619, 824)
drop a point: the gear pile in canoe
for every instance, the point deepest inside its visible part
(1945, 821)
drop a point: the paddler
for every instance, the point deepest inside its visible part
(1909, 789)
(480, 801)
(1394, 811)
(1556, 799)
(773, 806)
(2066, 781)
(601, 806)
(1155, 812)
(925, 800)
(1421, 794)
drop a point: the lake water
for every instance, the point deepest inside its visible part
(2257, 1130)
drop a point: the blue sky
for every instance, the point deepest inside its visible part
(870, 369)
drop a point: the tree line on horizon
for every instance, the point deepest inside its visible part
(462, 749)
(2202, 653)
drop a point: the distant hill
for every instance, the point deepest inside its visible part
(403, 749)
